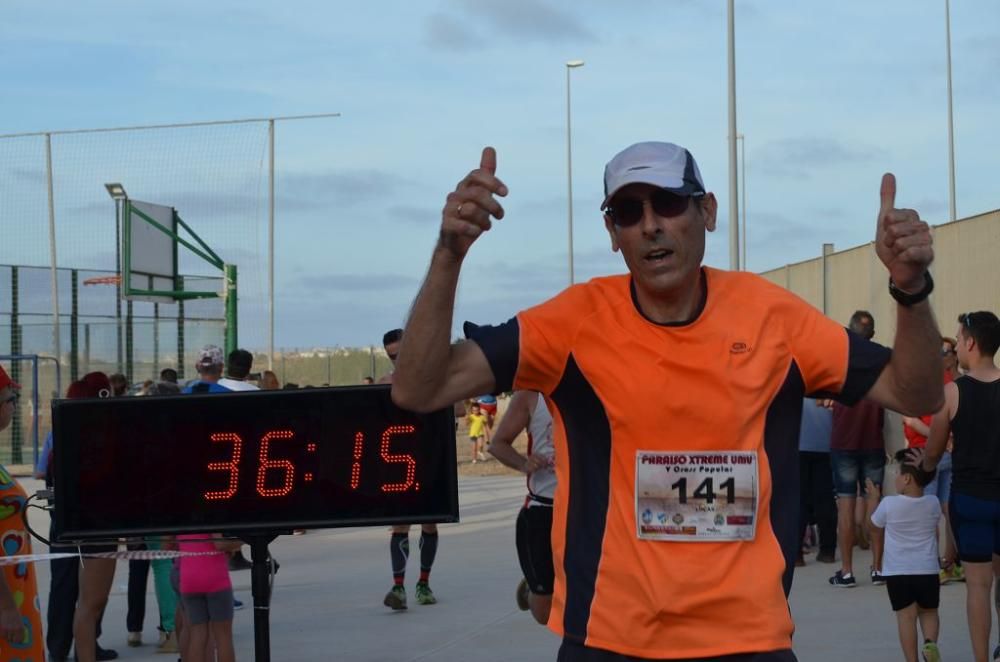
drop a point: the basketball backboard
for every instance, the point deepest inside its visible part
(149, 252)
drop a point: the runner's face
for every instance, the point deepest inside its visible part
(392, 351)
(663, 254)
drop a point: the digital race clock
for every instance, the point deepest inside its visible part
(249, 462)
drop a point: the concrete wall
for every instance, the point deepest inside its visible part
(966, 273)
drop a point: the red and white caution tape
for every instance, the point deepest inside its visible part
(137, 555)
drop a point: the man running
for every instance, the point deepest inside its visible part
(527, 410)
(399, 542)
(677, 393)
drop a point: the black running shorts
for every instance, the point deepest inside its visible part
(534, 548)
(904, 590)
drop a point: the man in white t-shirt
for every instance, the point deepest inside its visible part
(910, 562)
(238, 366)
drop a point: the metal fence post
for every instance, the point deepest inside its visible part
(180, 341)
(232, 341)
(129, 343)
(56, 341)
(74, 327)
(156, 341)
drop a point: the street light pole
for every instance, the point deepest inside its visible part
(734, 206)
(951, 124)
(743, 202)
(572, 64)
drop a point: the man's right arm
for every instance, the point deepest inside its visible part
(514, 420)
(431, 373)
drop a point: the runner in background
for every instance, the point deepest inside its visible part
(527, 410)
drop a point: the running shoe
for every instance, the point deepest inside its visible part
(169, 644)
(134, 639)
(425, 596)
(877, 578)
(395, 599)
(237, 604)
(931, 652)
(944, 576)
(521, 595)
(842, 580)
(957, 573)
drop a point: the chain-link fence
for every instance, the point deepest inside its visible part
(100, 332)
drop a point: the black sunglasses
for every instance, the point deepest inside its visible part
(966, 319)
(626, 211)
(12, 398)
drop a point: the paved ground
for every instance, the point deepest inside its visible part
(328, 599)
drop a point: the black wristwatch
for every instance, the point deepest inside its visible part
(907, 299)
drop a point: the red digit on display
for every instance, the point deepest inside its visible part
(266, 464)
(232, 466)
(359, 440)
(405, 458)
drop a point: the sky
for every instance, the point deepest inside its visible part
(829, 96)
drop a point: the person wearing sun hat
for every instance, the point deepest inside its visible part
(20, 616)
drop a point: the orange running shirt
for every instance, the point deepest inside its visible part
(616, 383)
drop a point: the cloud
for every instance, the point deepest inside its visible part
(295, 192)
(796, 157)
(446, 33)
(938, 209)
(26, 175)
(345, 187)
(354, 283)
(523, 20)
(413, 214)
(528, 19)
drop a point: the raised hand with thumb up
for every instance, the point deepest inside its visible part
(468, 208)
(903, 242)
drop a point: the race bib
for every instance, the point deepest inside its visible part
(695, 496)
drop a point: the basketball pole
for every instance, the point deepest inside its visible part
(231, 310)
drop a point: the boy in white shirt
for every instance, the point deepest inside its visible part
(910, 565)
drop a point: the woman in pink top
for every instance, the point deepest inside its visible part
(207, 596)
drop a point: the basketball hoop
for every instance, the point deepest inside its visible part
(103, 280)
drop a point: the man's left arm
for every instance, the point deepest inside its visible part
(911, 381)
(937, 438)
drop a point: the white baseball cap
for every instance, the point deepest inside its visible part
(665, 165)
(210, 355)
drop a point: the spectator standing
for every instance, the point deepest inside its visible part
(972, 416)
(816, 479)
(857, 453)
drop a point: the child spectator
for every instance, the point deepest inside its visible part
(910, 565)
(207, 597)
(479, 431)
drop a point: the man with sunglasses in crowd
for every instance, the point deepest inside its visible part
(676, 392)
(971, 415)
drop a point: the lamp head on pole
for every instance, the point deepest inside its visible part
(116, 191)
(573, 64)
